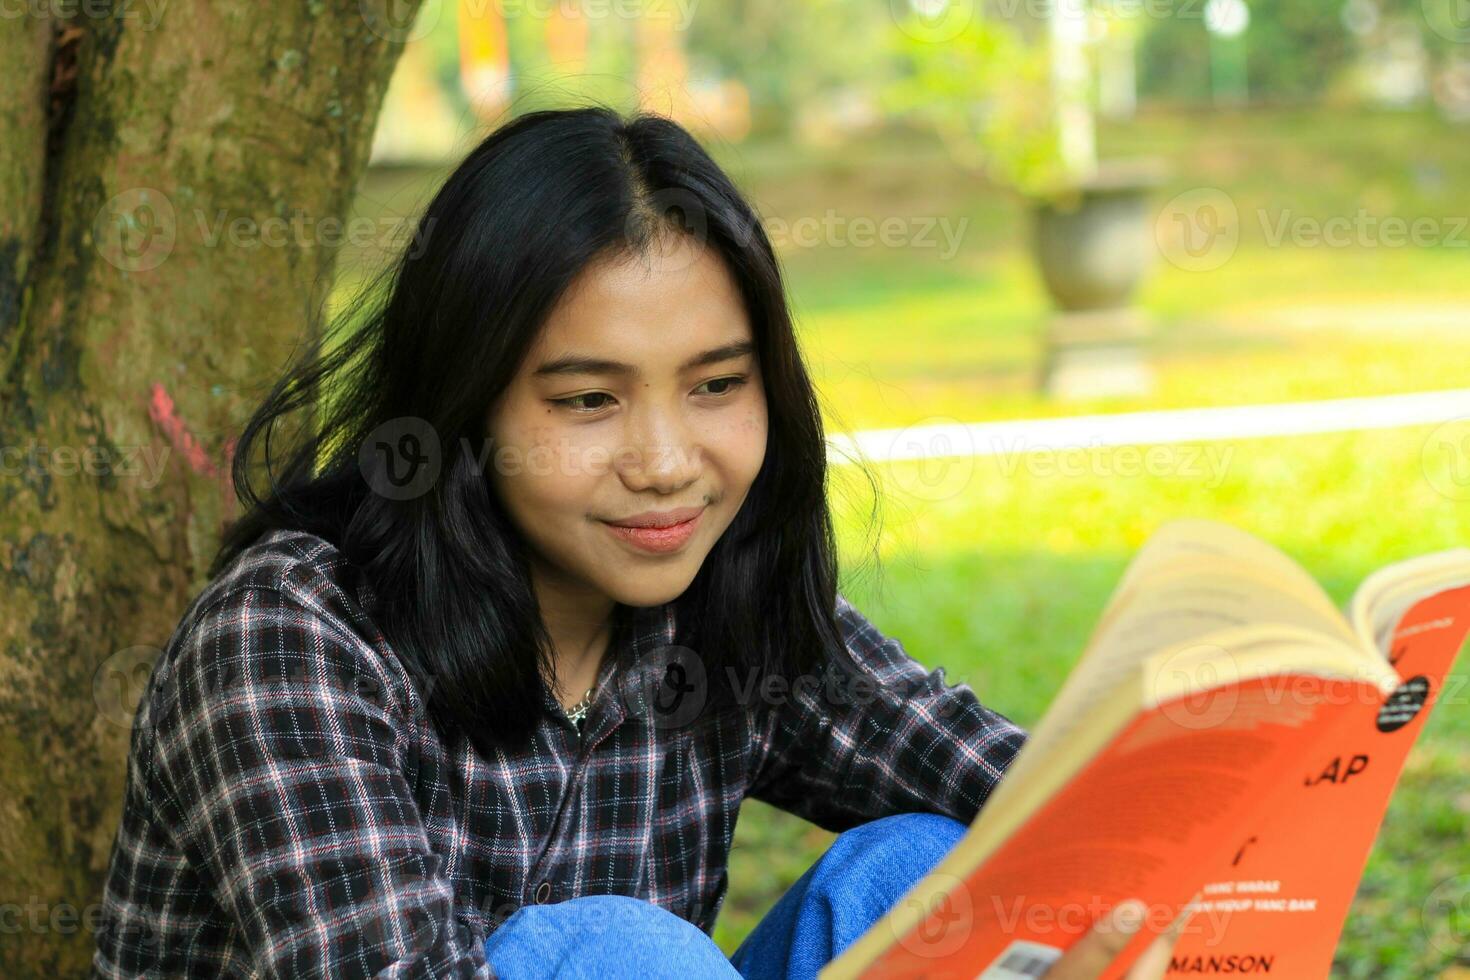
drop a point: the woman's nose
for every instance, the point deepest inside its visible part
(659, 454)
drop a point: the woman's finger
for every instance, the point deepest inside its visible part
(1091, 954)
(1154, 963)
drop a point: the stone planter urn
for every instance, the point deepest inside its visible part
(1094, 245)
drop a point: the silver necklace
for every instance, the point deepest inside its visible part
(578, 711)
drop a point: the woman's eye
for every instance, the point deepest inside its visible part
(592, 401)
(577, 403)
(732, 382)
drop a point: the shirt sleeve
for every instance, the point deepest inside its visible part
(278, 754)
(905, 741)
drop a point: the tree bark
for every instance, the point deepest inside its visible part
(146, 300)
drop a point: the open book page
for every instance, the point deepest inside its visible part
(1383, 597)
(1190, 580)
(1186, 624)
(1212, 542)
(1279, 902)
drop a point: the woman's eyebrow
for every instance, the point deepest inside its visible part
(580, 364)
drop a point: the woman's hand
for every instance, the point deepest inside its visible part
(1090, 955)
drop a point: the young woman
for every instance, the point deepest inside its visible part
(542, 591)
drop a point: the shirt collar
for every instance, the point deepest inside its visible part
(647, 629)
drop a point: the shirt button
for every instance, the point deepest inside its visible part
(543, 892)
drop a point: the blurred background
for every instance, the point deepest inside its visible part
(1032, 210)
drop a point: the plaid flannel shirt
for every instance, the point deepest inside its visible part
(290, 810)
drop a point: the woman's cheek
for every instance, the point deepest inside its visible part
(583, 455)
(755, 431)
(569, 466)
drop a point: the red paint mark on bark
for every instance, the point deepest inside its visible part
(165, 416)
(161, 410)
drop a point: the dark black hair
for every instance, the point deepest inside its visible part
(443, 331)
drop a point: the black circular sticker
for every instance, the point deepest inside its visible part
(1403, 704)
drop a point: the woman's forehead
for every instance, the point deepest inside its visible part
(673, 271)
(637, 314)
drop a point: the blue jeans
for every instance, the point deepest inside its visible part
(858, 879)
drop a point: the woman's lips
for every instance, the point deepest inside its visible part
(658, 540)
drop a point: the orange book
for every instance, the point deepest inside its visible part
(1224, 750)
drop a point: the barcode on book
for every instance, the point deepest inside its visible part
(1022, 960)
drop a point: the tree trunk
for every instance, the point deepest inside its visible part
(146, 297)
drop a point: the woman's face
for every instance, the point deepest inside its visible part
(641, 399)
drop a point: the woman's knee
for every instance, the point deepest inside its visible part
(602, 935)
(596, 919)
(913, 835)
(891, 852)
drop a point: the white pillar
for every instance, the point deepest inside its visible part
(1070, 76)
(1117, 80)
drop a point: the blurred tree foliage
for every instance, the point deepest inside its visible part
(986, 92)
(792, 54)
(1296, 50)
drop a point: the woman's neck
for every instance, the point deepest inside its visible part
(579, 621)
(577, 665)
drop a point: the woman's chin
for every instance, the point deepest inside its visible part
(653, 588)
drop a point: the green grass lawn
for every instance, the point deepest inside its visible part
(1001, 579)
